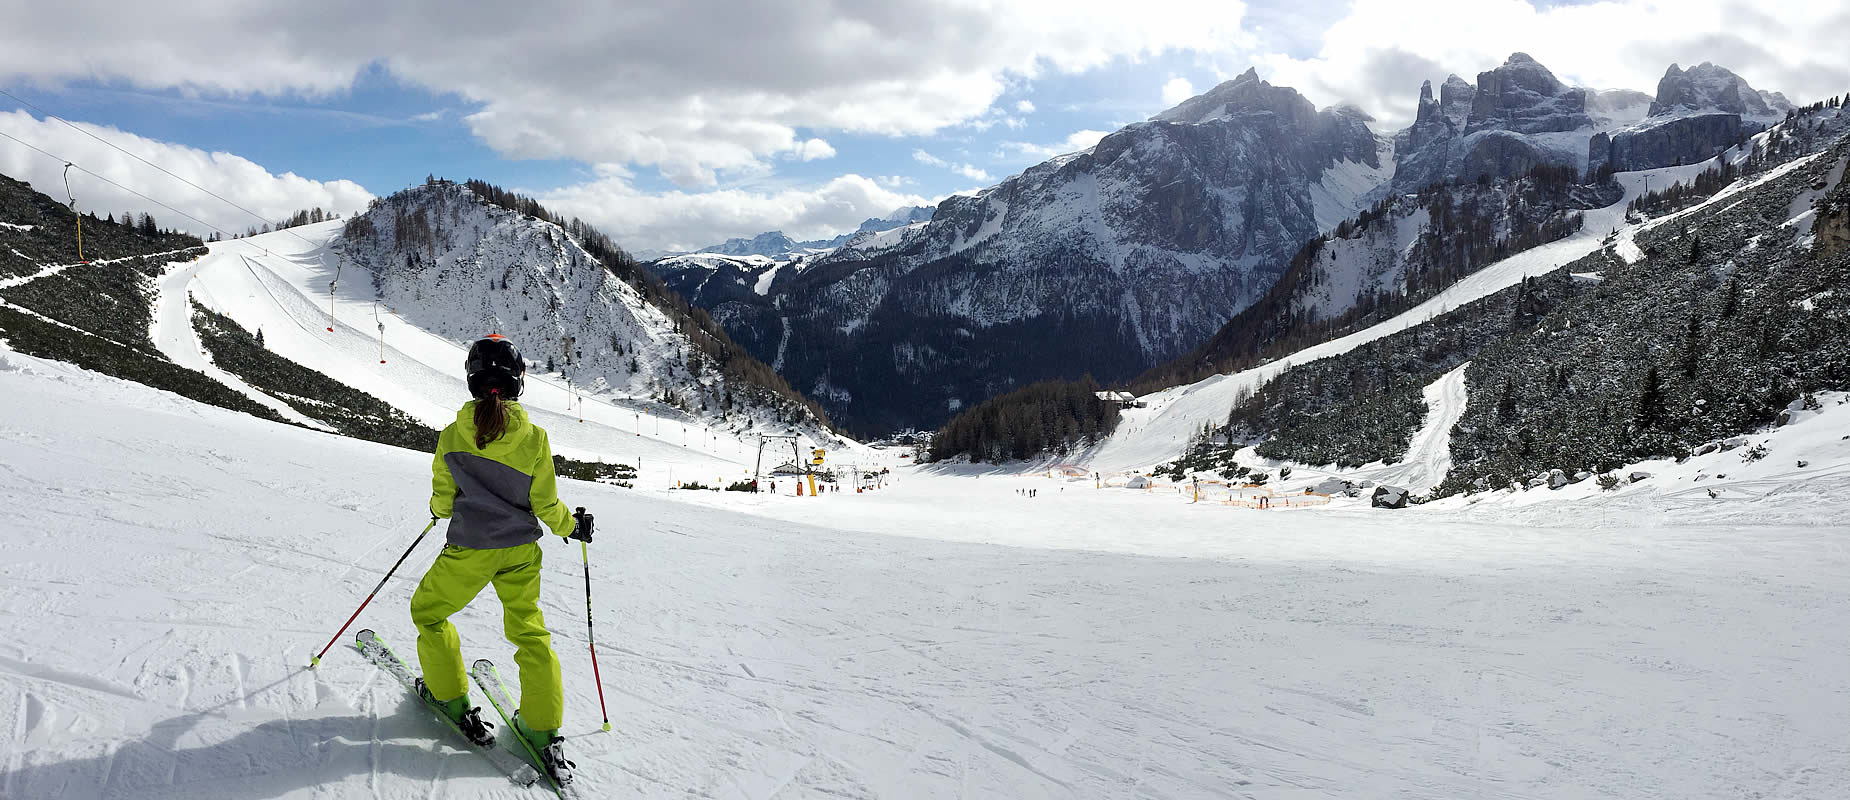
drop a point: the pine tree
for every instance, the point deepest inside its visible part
(1650, 402)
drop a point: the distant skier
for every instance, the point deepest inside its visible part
(493, 479)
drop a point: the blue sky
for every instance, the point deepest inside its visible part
(670, 131)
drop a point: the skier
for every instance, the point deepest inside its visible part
(493, 479)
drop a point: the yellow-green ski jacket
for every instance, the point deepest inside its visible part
(499, 495)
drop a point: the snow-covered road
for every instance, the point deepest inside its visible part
(170, 568)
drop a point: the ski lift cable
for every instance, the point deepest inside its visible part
(164, 171)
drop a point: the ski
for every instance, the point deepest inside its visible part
(483, 671)
(374, 650)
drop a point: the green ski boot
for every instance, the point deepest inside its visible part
(467, 718)
(551, 749)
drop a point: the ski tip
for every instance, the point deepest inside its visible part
(483, 663)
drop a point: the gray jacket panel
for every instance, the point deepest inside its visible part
(493, 508)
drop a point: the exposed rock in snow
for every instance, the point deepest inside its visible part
(1389, 497)
(1518, 116)
(1522, 96)
(1666, 142)
(1710, 87)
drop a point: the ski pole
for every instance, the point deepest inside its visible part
(316, 661)
(591, 632)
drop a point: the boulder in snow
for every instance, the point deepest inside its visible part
(1557, 479)
(1389, 497)
(1638, 475)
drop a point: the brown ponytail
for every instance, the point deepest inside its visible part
(490, 419)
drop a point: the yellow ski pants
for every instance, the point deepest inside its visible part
(456, 578)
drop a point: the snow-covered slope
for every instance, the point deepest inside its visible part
(158, 617)
(278, 284)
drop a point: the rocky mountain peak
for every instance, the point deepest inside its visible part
(1709, 87)
(1522, 96)
(1242, 95)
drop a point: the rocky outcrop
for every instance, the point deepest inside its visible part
(1687, 139)
(1710, 87)
(1516, 117)
(1696, 114)
(1422, 148)
(1522, 96)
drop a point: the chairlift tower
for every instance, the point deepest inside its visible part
(796, 456)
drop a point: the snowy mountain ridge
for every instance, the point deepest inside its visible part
(453, 264)
(1140, 245)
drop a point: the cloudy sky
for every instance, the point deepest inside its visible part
(675, 125)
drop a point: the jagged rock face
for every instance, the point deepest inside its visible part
(1423, 149)
(1696, 114)
(1516, 117)
(1102, 262)
(1707, 86)
(1680, 140)
(1522, 96)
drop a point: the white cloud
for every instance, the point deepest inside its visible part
(605, 84)
(1177, 90)
(1024, 107)
(967, 170)
(1376, 56)
(813, 150)
(678, 220)
(240, 180)
(1073, 143)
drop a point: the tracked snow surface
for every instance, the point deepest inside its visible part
(171, 566)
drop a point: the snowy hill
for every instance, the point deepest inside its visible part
(450, 263)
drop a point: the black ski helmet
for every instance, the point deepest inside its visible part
(494, 365)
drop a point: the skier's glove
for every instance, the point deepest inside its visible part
(582, 530)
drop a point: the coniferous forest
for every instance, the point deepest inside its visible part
(1045, 417)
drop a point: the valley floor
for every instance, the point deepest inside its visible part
(171, 567)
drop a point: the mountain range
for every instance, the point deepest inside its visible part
(1115, 259)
